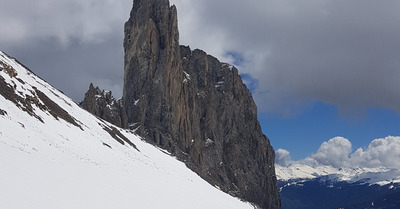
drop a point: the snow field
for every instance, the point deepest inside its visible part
(56, 164)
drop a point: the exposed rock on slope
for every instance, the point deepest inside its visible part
(194, 106)
(102, 104)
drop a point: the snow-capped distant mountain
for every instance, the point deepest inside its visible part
(297, 171)
(53, 154)
(319, 187)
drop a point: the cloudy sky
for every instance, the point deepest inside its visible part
(317, 68)
(338, 152)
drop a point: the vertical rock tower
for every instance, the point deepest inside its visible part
(194, 106)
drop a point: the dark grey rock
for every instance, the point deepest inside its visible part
(194, 106)
(102, 104)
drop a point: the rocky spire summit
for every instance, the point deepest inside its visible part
(194, 106)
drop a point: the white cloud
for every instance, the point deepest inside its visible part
(334, 152)
(337, 152)
(384, 152)
(282, 157)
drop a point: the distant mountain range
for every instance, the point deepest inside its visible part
(325, 187)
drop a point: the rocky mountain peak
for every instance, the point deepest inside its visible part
(102, 104)
(194, 106)
(152, 49)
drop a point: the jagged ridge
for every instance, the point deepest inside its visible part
(102, 104)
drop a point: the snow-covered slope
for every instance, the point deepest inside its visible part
(54, 154)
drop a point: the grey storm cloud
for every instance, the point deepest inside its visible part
(65, 20)
(338, 52)
(69, 43)
(335, 51)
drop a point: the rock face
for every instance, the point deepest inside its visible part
(194, 106)
(102, 104)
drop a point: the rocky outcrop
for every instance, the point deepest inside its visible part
(102, 104)
(194, 106)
